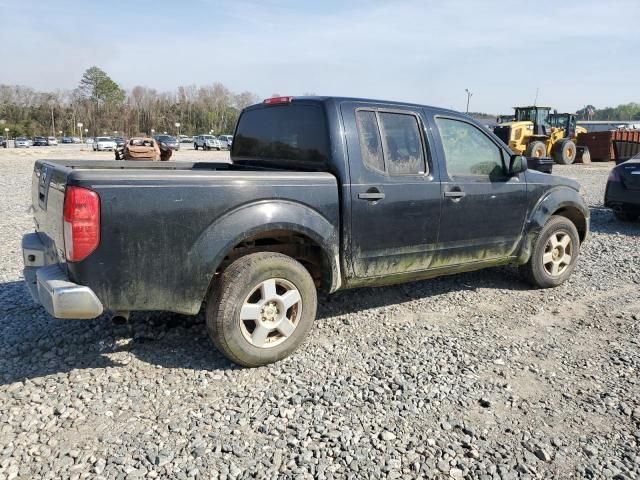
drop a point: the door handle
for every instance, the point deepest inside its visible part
(454, 194)
(371, 196)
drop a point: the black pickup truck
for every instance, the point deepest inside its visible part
(322, 194)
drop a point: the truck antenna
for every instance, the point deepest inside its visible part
(535, 102)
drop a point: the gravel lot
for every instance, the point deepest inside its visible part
(473, 376)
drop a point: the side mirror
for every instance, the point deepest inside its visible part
(517, 165)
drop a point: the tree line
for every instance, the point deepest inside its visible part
(103, 107)
(624, 112)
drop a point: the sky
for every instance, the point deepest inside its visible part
(573, 53)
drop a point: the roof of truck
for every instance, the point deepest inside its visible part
(323, 99)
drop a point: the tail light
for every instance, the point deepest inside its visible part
(614, 176)
(81, 223)
(276, 100)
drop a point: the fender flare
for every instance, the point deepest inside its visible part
(560, 198)
(239, 224)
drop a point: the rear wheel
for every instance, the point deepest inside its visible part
(564, 151)
(261, 309)
(554, 254)
(626, 214)
(536, 149)
(195, 145)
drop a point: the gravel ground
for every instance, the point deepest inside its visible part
(473, 376)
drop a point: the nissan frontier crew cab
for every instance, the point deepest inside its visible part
(322, 194)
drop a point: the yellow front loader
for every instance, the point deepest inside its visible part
(536, 132)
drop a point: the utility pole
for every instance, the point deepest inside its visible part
(53, 123)
(469, 95)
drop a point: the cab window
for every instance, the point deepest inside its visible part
(468, 151)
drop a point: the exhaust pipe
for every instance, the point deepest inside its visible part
(121, 317)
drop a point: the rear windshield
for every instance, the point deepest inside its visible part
(286, 135)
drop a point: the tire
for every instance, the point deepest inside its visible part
(564, 151)
(252, 284)
(626, 214)
(195, 145)
(539, 273)
(536, 149)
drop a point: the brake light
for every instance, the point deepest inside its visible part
(614, 176)
(81, 223)
(276, 100)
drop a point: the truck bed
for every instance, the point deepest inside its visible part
(165, 225)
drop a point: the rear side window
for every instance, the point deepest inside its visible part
(390, 142)
(285, 135)
(402, 144)
(370, 143)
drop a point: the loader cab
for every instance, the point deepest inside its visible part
(539, 116)
(565, 121)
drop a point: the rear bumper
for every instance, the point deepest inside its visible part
(50, 286)
(617, 195)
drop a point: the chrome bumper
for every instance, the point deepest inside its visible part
(50, 286)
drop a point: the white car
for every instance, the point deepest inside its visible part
(52, 141)
(104, 143)
(22, 142)
(226, 140)
(207, 142)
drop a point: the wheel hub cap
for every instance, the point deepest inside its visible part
(270, 313)
(558, 253)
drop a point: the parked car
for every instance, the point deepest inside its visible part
(3, 143)
(323, 193)
(104, 143)
(185, 139)
(51, 141)
(226, 141)
(66, 140)
(169, 141)
(119, 141)
(39, 142)
(76, 139)
(22, 142)
(622, 194)
(89, 140)
(206, 142)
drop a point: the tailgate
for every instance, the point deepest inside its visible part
(630, 174)
(47, 199)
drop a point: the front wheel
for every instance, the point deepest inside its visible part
(261, 309)
(195, 145)
(564, 151)
(536, 149)
(554, 254)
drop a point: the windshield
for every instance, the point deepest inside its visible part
(285, 134)
(539, 116)
(103, 139)
(208, 137)
(166, 138)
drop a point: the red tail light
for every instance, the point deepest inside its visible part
(275, 100)
(81, 223)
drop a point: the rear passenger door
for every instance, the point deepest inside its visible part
(483, 208)
(395, 191)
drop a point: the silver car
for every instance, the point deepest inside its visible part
(22, 142)
(226, 140)
(207, 142)
(104, 143)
